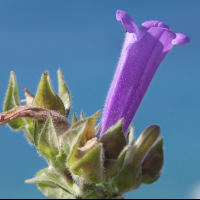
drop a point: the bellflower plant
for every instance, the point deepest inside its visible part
(88, 161)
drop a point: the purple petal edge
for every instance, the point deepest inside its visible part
(127, 22)
(180, 39)
(150, 24)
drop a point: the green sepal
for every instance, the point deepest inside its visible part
(113, 141)
(112, 167)
(91, 120)
(82, 115)
(78, 136)
(53, 179)
(11, 101)
(130, 175)
(96, 128)
(74, 119)
(29, 129)
(48, 140)
(147, 133)
(46, 97)
(153, 163)
(71, 139)
(12, 96)
(93, 195)
(38, 125)
(89, 133)
(130, 135)
(90, 167)
(127, 179)
(49, 145)
(64, 94)
(144, 146)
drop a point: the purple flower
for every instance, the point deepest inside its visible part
(142, 53)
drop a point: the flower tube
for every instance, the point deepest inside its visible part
(141, 55)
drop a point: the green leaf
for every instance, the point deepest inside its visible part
(11, 101)
(48, 144)
(53, 179)
(64, 93)
(46, 97)
(113, 141)
(153, 163)
(90, 167)
(54, 192)
(112, 167)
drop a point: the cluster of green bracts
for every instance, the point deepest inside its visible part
(82, 165)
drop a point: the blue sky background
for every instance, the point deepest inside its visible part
(84, 39)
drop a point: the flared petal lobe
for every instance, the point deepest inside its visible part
(140, 58)
(127, 22)
(180, 39)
